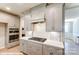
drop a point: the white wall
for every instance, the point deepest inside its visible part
(39, 27)
(11, 20)
(2, 35)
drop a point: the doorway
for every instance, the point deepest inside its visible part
(2, 35)
(71, 29)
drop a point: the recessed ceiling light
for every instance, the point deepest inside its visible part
(8, 8)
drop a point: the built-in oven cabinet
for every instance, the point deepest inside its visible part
(34, 48)
(38, 12)
(50, 50)
(54, 17)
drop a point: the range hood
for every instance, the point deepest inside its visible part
(38, 20)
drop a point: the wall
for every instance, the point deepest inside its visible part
(11, 21)
(39, 27)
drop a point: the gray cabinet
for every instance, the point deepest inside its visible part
(50, 50)
(24, 46)
(38, 12)
(54, 17)
(34, 48)
(30, 48)
(27, 22)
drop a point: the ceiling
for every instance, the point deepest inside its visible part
(16, 8)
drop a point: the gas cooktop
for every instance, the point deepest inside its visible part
(38, 39)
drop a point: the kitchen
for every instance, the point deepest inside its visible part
(39, 30)
(43, 26)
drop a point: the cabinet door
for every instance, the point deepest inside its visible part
(59, 19)
(17, 23)
(24, 46)
(49, 15)
(38, 12)
(21, 45)
(54, 17)
(34, 48)
(50, 50)
(27, 22)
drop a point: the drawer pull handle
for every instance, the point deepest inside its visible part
(51, 53)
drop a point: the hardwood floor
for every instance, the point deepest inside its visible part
(11, 51)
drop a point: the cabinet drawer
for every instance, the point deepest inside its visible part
(47, 50)
(38, 12)
(50, 50)
(60, 52)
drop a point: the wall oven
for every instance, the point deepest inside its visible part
(13, 34)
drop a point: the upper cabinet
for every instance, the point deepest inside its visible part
(52, 14)
(54, 18)
(38, 12)
(27, 22)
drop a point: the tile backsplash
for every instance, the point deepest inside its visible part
(42, 34)
(56, 36)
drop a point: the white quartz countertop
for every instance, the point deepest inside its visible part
(47, 42)
(54, 43)
(25, 38)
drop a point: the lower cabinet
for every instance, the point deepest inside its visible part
(34, 48)
(50, 50)
(24, 46)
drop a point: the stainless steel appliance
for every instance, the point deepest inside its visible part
(13, 34)
(38, 39)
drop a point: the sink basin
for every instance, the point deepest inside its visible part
(38, 39)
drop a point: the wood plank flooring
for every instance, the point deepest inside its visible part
(11, 51)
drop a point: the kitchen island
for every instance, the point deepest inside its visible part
(48, 47)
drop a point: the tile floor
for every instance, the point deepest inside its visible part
(10, 51)
(71, 48)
